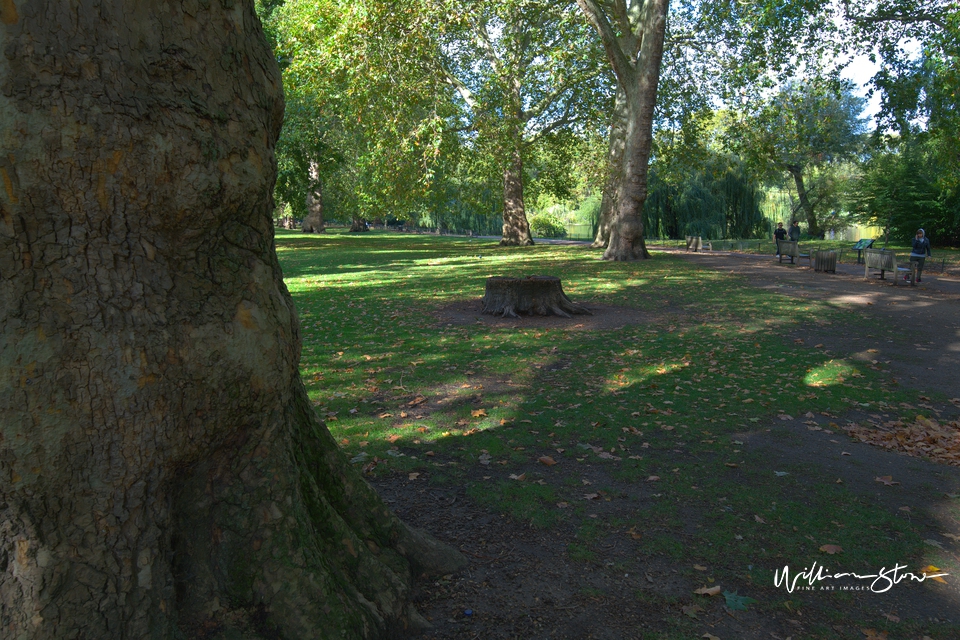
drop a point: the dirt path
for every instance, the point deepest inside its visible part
(523, 582)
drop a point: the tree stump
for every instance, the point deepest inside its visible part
(534, 295)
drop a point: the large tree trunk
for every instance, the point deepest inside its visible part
(608, 201)
(516, 229)
(635, 56)
(162, 473)
(313, 222)
(626, 235)
(813, 227)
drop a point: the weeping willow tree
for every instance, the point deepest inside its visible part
(716, 201)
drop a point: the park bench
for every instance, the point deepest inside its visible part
(884, 260)
(791, 249)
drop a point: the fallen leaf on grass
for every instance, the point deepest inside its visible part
(708, 591)
(887, 480)
(921, 437)
(891, 617)
(520, 477)
(831, 549)
(709, 636)
(736, 602)
(633, 533)
(731, 464)
(699, 567)
(692, 610)
(547, 460)
(931, 572)
(392, 438)
(413, 476)
(653, 478)
(873, 634)
(591, 496)
(479, 413)
(759, 519)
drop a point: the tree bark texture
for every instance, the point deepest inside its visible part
(516, 228)
(162, 473)
(534, 295)
(359, 225)
(608, 200)
(313, 222)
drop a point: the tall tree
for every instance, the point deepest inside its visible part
(163, 472)
(804, 127)
(632, 33)
(523, 69)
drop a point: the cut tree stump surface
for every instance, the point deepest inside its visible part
(533, 295)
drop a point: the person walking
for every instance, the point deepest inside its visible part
(778, 235)
(919, 252)
(794, 233)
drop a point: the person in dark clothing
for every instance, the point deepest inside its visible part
(919, 251)
(794, 232)
(778, 235)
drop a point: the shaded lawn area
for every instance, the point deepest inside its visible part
(639, 433)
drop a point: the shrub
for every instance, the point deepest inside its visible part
(545, 225)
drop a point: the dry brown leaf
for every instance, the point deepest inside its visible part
(413, 475)
(392, 438)
(873, 634)
(708, 591)
(831, 549)
(520, 477)
(699, 567)
(479, 413)
(633, 533)
(547, 460)
(759, 519)
(653, 478)
(731, 464)
(891, 617)
(591, 496)
(887, 480)
(709, 636)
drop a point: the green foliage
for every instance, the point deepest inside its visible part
(546, 225)
(718, 201)
(901, 188)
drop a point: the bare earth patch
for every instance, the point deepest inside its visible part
(464, 312)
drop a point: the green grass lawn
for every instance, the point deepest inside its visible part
(661, 399)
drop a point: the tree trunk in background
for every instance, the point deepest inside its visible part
(162, 473)
(516, 229)
(813, 227)
(359, 225)
(313, 223)
(608, 202)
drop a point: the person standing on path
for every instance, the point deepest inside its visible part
(778, 235)
(919, 251)
(794, 232)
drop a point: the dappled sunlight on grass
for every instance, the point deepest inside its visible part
(671, 398)
(832, 372)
